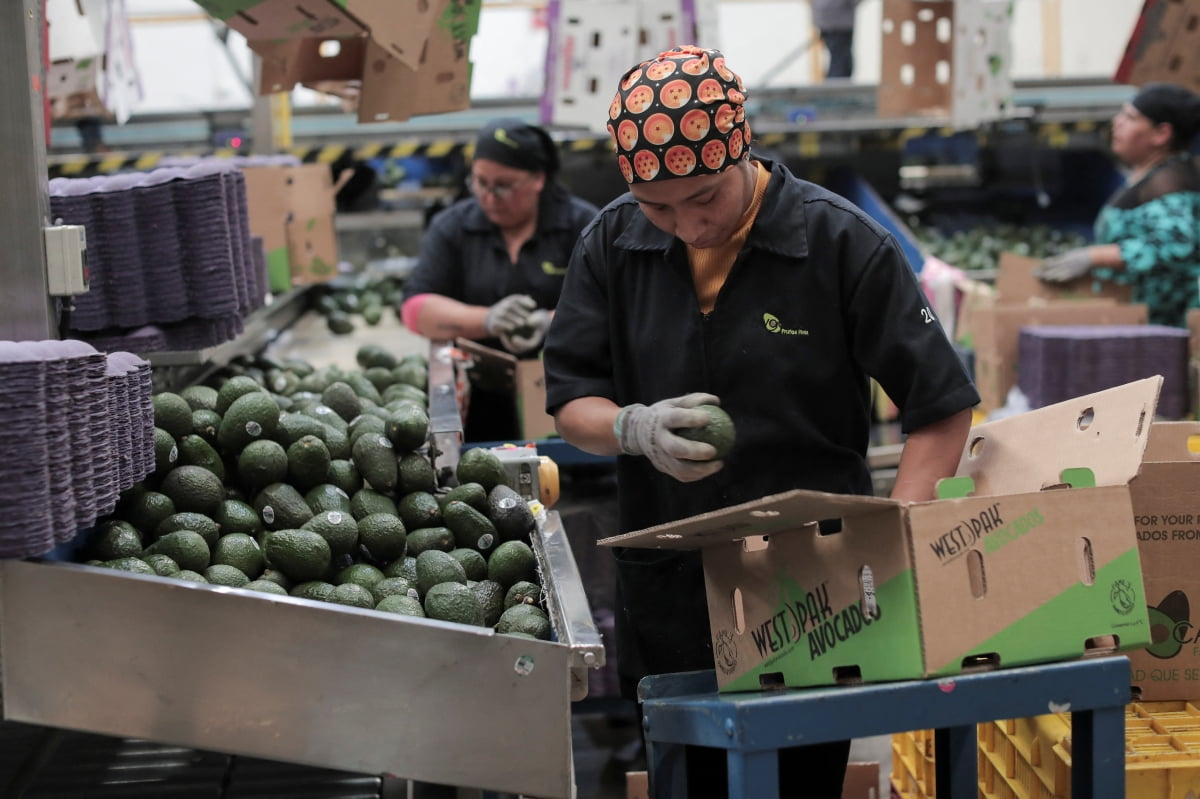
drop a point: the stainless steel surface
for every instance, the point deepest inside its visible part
(24, 202)
(276, 677)
(445, 420)
(570, 612)
(262, 327)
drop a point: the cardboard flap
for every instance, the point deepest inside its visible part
(787, 511)
(1173, 441)
(1105, 432)
(402, 31)
(1016, 282)
(284, 19)
(491, 368)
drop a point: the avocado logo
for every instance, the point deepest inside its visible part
(550, 269)
(726, 652)
(501, 135)
(1123, 597)
(1166, 622)
(773, 325)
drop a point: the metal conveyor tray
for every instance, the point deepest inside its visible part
(230, 670)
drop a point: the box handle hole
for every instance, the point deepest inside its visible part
(772, 681)
(847, 675)
(1087, 561)
(976, 574)
(739, 612)
(989, 661)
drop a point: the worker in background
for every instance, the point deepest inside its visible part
(491, 266)
(834, 20)
(1148, 233)
(723, 278)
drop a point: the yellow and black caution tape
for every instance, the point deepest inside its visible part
(805, 143)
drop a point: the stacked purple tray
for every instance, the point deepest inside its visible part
(169, 249)
(131, 420)
(77, 428)
(27, 524)
(1058, 362)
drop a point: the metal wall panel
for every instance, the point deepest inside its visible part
(26, 310)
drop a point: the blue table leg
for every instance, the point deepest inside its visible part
(956, 772)
(753, 774)
(1098, 752)
(666, 763)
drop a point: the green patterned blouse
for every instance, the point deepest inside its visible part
(1156, 222)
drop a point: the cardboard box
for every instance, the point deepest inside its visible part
(94, 73)
(292, 209)
(73, 86)
(946, 59)
(401, 27)
(593, 41)
(862, 781)
(526, 378)
(434, 78)
(996, 335)
(1166, 512)
(990, 318)
(1164, 45)
(1008, 575)
(637, 785)
(1016, 282)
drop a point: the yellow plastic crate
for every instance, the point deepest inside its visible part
(1030, 758)
(912, 764)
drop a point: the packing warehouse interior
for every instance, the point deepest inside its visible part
(287, 515)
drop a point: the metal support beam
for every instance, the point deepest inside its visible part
(28, 312)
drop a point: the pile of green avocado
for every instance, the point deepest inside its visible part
(288, 479)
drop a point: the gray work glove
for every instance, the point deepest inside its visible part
(529, 336)
(508, 314)
(1064, 268)
(647, 430)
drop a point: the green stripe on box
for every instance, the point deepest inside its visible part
(888, 648)
(1113, 599)
(279, 270)
(224, 9)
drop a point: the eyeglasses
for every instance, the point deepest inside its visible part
(501, 191)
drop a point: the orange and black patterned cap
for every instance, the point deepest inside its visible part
(678, 115)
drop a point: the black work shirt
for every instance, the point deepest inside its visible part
(819, 298)
(464, 256)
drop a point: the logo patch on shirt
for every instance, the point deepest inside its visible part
(551, 269)
(773, 325)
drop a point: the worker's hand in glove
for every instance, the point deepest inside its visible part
(648, 430)
(508, 314)
(1066, 267)
(529, 336)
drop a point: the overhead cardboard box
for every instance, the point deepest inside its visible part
(436, 79)
(401, 27)
(93, 73)
(74, 86)
(1164, 45)
(1020, 570)
(524, 377)
(292, 209)
(1167, 516)
(949, 59)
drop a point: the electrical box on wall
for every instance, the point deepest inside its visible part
(66, 260)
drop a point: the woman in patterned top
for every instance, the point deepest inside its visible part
(1148, 234)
